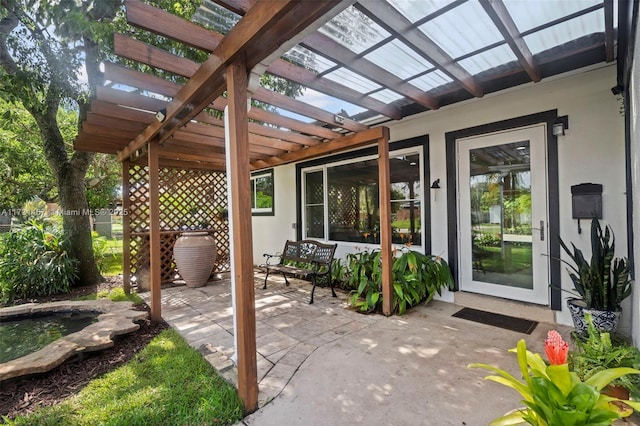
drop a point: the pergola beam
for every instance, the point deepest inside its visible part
(500, 16)
(245, 39)
(347, 58)
(389, 18)
(609, 36)
(353, 141)
(164, 87)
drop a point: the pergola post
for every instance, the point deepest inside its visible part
(242, 268)
(126, 228)
(384, 178)
(155, 262)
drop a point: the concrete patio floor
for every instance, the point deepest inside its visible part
(324, 364)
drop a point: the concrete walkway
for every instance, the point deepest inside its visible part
(324, 364)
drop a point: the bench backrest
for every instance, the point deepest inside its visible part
(308, 251)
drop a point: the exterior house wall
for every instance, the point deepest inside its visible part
(634, 103)
(591, 151)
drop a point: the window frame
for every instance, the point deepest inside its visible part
(255, 211)
(419, 145)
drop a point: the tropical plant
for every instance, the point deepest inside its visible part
(598, 352)
(365, 279)
(555, 395)
(34, 262)
(416, 278)
(603, 282)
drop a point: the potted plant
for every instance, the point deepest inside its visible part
(602, 282)
(598, 352)
(553, 394)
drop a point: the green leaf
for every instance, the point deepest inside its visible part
(559, 375)
(514, 418)
(603, 378)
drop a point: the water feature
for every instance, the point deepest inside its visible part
(20, 337)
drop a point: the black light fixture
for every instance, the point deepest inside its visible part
(435, 184)
(560, 125)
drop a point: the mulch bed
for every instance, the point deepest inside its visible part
(26, 394)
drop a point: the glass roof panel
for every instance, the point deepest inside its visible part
(329, 103)
(565, 32)
(414, 10)
(406, 62)
(308, 59)
(546, 11)
(462, 30)
(352, 80)
(215, 17)
(294, 115)
(386, 95)
(354, 30)
(431, 80)
(489, 59)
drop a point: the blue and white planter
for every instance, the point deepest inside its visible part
(604, 321)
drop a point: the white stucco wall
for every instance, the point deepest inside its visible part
(270, 232)
(591, 151)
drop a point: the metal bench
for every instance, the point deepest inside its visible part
(306, 258)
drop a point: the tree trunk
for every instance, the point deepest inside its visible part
(70, 177)
(77, 225)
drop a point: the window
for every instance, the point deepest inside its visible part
(341, 199)
(262, 193)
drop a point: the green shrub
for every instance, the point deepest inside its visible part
(34, 262)
(598, 352)
(416, 278)
(101, 252)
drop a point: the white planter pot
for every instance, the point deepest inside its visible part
(195, 255)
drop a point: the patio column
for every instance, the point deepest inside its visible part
(384, 177)
(126, 228)
(238, 173)
(155, 262)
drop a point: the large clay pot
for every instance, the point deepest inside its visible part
(195, 255)
(603, 321)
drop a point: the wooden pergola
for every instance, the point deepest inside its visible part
(174, 127)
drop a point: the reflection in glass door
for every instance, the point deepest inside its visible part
(503, 215)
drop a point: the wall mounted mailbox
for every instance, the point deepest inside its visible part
(586, 201)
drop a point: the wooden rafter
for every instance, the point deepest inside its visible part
(609, 44)
(500, 16)
(244, 39)
(161, 86)
(157, 21)
(394, 22)
(321, 43)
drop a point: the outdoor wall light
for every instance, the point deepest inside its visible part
(560, 125)
(161, 115)
(435, 184)
(338, 119)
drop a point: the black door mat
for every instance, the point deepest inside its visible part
(497, 320)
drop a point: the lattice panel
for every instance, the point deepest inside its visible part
(343, 205)
(189, 200)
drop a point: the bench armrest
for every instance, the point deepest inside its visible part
(270, 256)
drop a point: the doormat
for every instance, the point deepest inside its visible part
(497, 320)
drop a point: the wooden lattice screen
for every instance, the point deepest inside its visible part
(189, 200)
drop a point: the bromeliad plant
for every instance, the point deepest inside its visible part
(554, 395)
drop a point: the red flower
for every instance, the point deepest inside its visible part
(556, 348)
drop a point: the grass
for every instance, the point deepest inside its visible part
(108, 254)
(115, 294)
(166, 383)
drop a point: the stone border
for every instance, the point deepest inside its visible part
(114, 319)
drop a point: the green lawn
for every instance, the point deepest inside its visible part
(518, 259)
(112, 257)
(167, 383)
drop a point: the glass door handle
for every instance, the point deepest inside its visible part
(541, 229)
